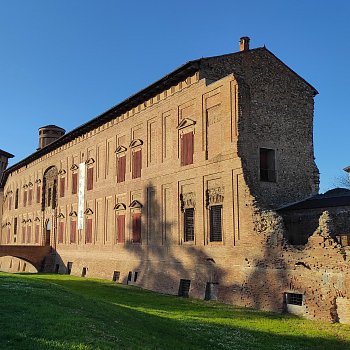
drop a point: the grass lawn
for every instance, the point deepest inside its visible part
(65, 312)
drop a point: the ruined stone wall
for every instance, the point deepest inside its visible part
(300, 224)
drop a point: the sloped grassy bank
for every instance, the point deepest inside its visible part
(66, 312)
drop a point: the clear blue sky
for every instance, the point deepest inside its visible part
(64, 62)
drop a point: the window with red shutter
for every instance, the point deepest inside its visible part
(61, 232)
(73, 231)
(121, 165)
(187, 148)
(136, 164)
(136, 227)
(36, 238)
(30, 196)
(25, 198)
(120, 228)
(88, 231)
(74, 183)
(90, 179)
(29, 234)
(38, 193)
(62, 186)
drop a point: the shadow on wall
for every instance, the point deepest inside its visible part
(173, 267)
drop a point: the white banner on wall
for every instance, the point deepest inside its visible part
(81, 190)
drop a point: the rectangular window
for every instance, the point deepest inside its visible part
(74, 183)
(61, 232)
(187, 148)
(16, 199)
(25, 198)
(69, 267)
(38, 194)
(30, 196)
(73, 231)
(116, 276)
(8, 235)
(120, 228)
(267, 165)
(10, 202)
(90, 179)
(121, 168)
(15, 226)
(184, 288)
(136, 227)
(88, 230)
(62, 186)
(294, 299)
(215, 222)
(49, 197)
(189, 225)
(136, 164)
(84, 272)
(36, 237)
(29, 234)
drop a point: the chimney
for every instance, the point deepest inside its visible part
(49, 134)
(244, 43)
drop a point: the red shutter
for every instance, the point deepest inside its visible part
(187, 148)
(38, 190)
(30, 197)
(23, 234)
(29, 234)
(120, 228)
(62, 186)
(36, 238)
(74, 183)
(190, 144)
(182, 140)
(90, 178)
(121, 169)
(61, 232)
(88, 230)
(137, 164)
(136, 227)
(73, 231)
(25, 198)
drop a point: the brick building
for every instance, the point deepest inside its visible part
(174, 190)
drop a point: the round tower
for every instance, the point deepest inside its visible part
(49, 134)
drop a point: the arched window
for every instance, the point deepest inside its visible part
(49, 199)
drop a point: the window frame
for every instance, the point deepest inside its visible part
(267, 165)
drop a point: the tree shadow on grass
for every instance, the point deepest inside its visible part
(68, 313)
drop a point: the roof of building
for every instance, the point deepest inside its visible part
(6, 154)
(145, 94)
(336, 197)
(51, 126)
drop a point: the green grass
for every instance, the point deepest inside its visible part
(65, 312)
